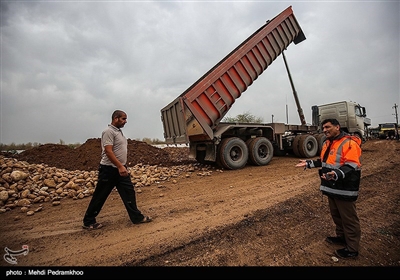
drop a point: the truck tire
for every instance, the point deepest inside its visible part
(260, 151)
(295, 146)
(308, 146)
(232, 153)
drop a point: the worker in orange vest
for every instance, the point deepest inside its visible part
(340, 172)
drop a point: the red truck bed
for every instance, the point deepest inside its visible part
(196, 112)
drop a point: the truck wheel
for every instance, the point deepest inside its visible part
(232, 153)
(295, 146)
(308, 146)
(260, 151)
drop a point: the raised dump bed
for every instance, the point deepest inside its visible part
(195, 114)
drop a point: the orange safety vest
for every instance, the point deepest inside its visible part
(344, 157)
(346, 150)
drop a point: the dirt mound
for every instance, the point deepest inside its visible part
(87, 156)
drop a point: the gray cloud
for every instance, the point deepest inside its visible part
(65, 66)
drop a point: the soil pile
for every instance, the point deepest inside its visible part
(87, 156)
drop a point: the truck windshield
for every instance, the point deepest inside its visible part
(359, 112)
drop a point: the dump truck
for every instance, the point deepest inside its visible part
(195, 116)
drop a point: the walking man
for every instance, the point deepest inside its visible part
(113, 173)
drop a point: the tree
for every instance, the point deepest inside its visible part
(246, 117)
(146, 140)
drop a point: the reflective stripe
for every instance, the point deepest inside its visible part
(343, 175)
(335, 166)
(339, 153)
(340, 192)
(324, 164)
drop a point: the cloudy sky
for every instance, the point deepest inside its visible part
(67, 65)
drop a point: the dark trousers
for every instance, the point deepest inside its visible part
(109, 178)
(344, 215)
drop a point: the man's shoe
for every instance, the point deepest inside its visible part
(345, 253)
(336, 240)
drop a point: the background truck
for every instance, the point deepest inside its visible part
(351, 116)
(387, 130)
(195, 117)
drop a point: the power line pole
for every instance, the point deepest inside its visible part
(397, 121)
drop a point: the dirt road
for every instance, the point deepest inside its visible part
(269, 216)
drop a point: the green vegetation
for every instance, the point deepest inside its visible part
(14, 147)
(153, 141)
(246, 117)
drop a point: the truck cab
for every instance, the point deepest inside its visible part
(351, 116)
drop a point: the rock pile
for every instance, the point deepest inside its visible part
(27, 186)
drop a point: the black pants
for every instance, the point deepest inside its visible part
(344, 215)
(109, 178)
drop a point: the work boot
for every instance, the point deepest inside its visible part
(345, 253)
(339, 240)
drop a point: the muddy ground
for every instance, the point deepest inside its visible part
(271, 218)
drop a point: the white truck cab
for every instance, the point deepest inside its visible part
(351, 116)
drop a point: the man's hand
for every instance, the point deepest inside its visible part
(123, 171)
(302, 163)
(329, 176)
